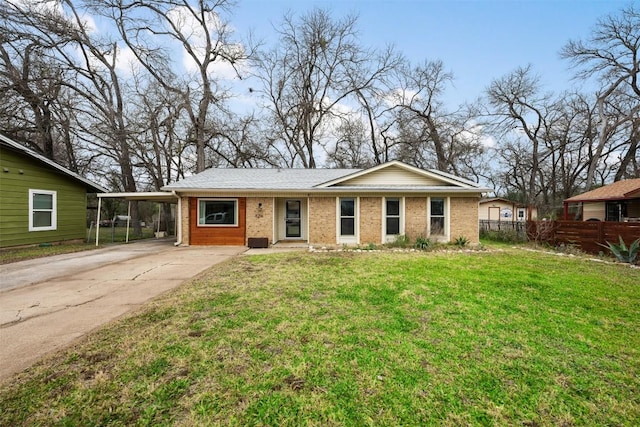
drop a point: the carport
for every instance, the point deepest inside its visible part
(154, 196)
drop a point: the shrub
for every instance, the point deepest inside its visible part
(422, 243)
(461, 242)
(401, 241)
(506, 236)
(622, 252)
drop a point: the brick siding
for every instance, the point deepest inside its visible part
(322, 220)
(370, 220)
(260, 218)
(464, 218)
(415, 223)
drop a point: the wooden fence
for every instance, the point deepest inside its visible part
(585, 234)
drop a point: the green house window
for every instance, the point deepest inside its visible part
(42, 210)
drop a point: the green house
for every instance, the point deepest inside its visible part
(40, 201)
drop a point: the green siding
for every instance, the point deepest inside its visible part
(14, 201)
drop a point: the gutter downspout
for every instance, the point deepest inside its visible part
(178, 220)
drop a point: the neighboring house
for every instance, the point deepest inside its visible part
(500, 209)
(40, 201)
(619, 202)
(325, 206)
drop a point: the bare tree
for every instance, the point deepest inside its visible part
(29, 84)
(520, 109)
(612, 55)
(310, 78)
(419, 98)
(150, 28)
(352, 148)
(92, 75)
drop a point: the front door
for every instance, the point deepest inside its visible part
(292, 219)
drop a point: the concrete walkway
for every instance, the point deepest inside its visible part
(47, 303)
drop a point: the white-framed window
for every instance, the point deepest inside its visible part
(217, 212)
(347, 211)
(437, 219)
(42, 210)
(347, 216)
(393, 217)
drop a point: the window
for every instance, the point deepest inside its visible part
(42, 210)
(615, 211)
(347, 217)
(217, 212)
(437, 216)
(392, 209)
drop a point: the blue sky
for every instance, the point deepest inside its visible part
(478, 40)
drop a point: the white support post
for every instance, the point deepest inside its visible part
(159, 210)
(128, 221)
(175, 225)
(178, 221)
(98, 221)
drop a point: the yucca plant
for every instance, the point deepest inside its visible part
(622, 252)
(461, 242)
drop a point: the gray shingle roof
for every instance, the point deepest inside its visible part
(259, 179)
(314, 179)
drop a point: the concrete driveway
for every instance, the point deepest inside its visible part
(47, 303)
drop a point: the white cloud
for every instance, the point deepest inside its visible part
(400, 96)
(126, 61)
(89, 23)
(196, 36)
(476, 133)
(488, 141)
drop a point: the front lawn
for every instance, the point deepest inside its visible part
(503, 337)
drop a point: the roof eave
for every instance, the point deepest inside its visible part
(151, 196)
(451, 179)
(27, 151)
(421, 190)
(600, 199)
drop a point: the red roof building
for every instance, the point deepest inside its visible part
(619, 201)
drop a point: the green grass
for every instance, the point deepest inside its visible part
(107, 236)
(22, 254)
(502, 337)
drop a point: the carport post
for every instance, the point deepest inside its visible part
(159, 210)
(128, 221)
(98, 220)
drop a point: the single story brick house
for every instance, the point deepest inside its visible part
(328, 207)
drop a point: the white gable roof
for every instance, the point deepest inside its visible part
(398, 174)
